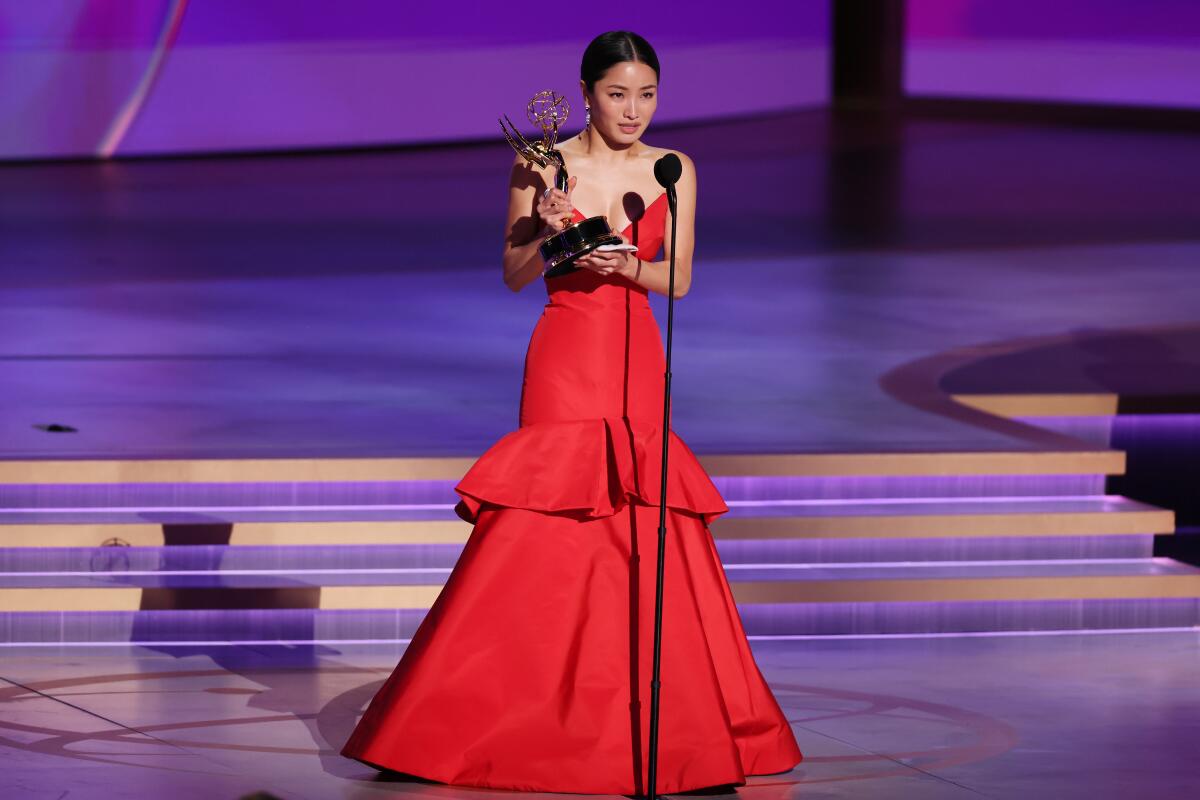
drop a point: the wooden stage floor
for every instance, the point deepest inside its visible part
(1063, 717)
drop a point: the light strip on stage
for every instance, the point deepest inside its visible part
(760, 638)
(450, 506)
(965, 634)
(215, 572)
(901, 564)
(899, 501)
(168, 509)
(432, 570)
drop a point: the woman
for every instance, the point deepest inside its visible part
(532, 669)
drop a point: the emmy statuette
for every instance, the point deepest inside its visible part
(548, 111)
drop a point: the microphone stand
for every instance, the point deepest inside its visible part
(662, 508)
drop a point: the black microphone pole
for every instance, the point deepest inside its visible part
(666, 171)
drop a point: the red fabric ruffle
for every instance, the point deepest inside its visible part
(587, 468)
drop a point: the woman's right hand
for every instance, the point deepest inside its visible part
(554, 208)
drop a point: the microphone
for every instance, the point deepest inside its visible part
(667, 171)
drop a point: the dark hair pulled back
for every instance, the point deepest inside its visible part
(611, 48)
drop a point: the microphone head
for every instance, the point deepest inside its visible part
(667, 170)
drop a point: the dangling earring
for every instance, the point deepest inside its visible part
(587, 120)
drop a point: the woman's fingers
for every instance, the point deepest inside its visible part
(555, 199)
(604, 263)
(555, 208)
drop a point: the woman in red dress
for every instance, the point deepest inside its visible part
(531, 670)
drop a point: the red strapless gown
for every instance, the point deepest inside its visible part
(532, 669)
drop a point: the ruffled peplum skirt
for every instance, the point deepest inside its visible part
(532, 669)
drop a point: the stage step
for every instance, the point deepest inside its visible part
(180, 502)
(834, 544)
(303, 626)
(116, 559)
(374, 521)
(306, 626)
(980, 600)
(950, 517)
(340, 587)
(431, 568)
(1082, 461)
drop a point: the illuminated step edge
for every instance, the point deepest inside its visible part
(841, 521)
(395, 626)
(107, 563)
(1181, 585)
(242, 533)
(349, 496)
(1042, 405)
(1073, 462)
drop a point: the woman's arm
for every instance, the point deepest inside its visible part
(528, 221)
(655, 275)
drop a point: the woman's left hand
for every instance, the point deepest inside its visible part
(609, 262)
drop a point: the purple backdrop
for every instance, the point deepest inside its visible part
(102, 77)
(1138, 52)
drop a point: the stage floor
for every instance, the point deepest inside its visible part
(351, 305)
(1040, 717)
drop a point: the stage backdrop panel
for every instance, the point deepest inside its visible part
(1129, 52)
(104, 77)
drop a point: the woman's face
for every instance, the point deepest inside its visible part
(624, 100)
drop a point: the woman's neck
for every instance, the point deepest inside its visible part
(597, 148)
